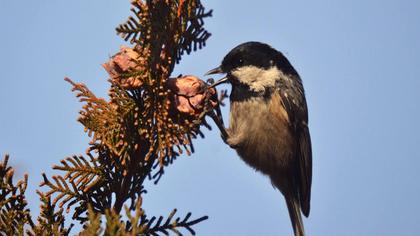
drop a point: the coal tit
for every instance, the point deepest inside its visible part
(268, 123)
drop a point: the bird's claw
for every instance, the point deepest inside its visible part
(219, 122)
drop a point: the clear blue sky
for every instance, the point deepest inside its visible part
(360, 63)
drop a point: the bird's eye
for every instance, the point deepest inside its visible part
(240, 62)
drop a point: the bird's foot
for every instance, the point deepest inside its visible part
(218, 120)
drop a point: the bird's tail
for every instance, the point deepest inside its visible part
(295, 216)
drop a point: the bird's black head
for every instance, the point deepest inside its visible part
(256, 54)
(246, 62)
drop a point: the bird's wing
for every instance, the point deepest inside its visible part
(305, 169)
(293, 100)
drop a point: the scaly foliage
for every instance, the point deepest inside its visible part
(182, 21)
(14, 213)
(138, 223)
(50, 220)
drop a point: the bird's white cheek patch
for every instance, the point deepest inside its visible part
(257, 79)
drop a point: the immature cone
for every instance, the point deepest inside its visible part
(191, 95)
(122, 68)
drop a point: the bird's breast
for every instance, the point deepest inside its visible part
(260, 132)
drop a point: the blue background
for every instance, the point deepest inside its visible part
(360, 63)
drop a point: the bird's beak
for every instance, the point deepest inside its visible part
(220, 81)
(217, 70)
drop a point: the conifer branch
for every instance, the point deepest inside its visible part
(139, 224)
(14, 214)
(163, 227)
(181, 19)
(50, 221)
(148, 121)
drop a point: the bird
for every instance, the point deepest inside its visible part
(268, 122)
